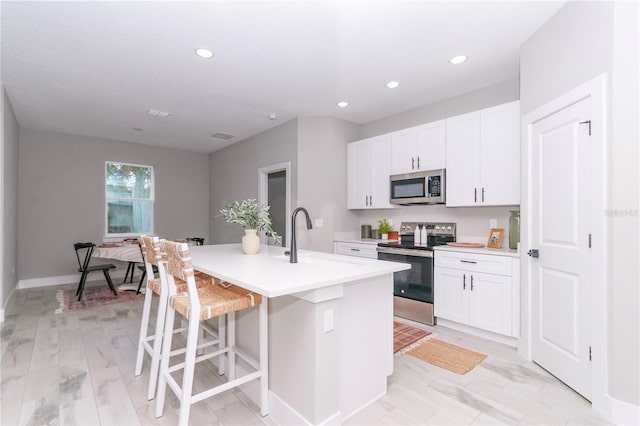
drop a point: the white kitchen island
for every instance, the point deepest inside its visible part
(330, 327)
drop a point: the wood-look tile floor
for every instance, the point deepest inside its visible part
(76, 368)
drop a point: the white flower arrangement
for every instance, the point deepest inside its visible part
(250, 215)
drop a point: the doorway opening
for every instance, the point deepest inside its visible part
(275, 191)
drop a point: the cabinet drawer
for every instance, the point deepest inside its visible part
(486, 263)
(357, 249)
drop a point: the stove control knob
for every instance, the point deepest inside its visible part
(437, 227)
(449, 228)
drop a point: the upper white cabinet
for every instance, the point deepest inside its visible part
(418, 148)
(483, 157)
(369, 170)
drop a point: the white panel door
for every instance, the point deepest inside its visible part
(359, 156)
(559, 198)
(463, 159)
(500, 155)
(450, 298)
(381, 169)
(403, 151)
(490, 302)
(430, 146)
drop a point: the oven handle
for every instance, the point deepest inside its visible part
(406, 252)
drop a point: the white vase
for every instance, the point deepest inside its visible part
(385, 236)
(250, 242)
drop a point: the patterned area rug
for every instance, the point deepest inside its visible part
(406, 338)
(448, 356)
(92, 297)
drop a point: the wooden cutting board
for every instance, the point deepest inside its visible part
(468, 245)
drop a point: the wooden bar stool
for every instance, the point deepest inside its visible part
(152, 343)
(198, 305)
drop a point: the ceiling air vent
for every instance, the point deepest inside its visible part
(222, 136)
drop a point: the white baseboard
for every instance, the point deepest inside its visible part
(67, 279)
(506, 340)
(622, 413)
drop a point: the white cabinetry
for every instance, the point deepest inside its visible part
(483, 157)
(478, 290)
(369, 170)
(368, 250)
(418, 148)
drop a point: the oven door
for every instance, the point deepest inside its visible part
(415, 283)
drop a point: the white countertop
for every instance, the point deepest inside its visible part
(372, 241)
(269, 272)
(503, 251)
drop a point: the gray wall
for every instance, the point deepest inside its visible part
(583, 40)
(322, 177)
(9, 181)
(234, 174)
(61, 195)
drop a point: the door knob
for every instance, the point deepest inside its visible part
(533, 253)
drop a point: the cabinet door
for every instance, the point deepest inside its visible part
(430, 146)
(490, 305)
(463, 159)
(359, 159)
(379, 173)
(450, 299)
(500, 155)
(403, 151)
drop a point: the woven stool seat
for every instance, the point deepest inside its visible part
(216, 300)
(202, 280)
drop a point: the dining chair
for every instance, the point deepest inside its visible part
(151, 343)
(143, 267)
(195, 241)
(198, 305)
(84, 251)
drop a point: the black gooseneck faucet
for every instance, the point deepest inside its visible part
(293, 258)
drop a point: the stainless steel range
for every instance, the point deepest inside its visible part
(413, 288)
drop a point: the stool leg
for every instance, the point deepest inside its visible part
(264, 357)
(221, 342)
(231, 343)
(189, 368)
(164, 360)
(144, 325)
(157, 344)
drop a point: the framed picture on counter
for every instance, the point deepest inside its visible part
(495, 238)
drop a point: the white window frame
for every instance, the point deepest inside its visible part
(118, 236)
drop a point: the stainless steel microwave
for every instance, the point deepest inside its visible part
(426, 187)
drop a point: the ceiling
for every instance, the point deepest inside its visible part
(95, 68)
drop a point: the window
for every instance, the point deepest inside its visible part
(129, 199)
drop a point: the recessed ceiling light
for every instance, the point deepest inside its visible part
(392, 84)
(204, 53)
(224, 136)
(343, 104)
(157, 113)
(457, 59)
(137, 129)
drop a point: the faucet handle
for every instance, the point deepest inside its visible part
(287, 253)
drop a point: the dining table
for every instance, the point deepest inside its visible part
(124, 252)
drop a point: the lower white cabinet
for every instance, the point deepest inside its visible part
(478, 290)
(367, 250)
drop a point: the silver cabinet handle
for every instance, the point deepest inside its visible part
(471, 282)
(418, 163)
(468, 261)
(483, 194)
(464, 281)
(371, 200)
(413, 163)
(475, 195)
(354, 249)
(366, 200)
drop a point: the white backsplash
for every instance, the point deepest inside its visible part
(473, 223)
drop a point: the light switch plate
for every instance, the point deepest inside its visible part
(319, 223)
